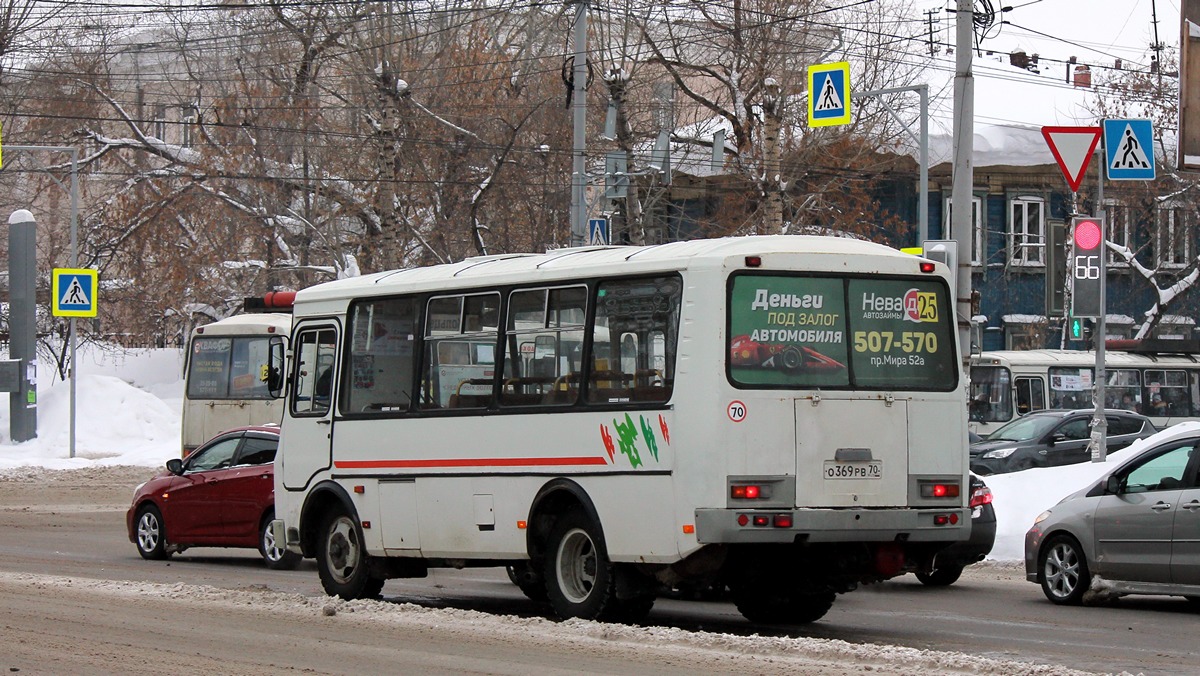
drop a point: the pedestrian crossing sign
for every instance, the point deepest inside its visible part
(73, 292)
(829, 94)
(1129, 150)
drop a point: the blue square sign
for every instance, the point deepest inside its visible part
(73, 292)
(1129, 150)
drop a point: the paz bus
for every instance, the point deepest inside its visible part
(782, 414)
(233, 370)
(1157, 378)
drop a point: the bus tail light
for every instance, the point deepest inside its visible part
(764, 520)
(926, 266)
(939, 489)
(748, 492)
(980, 496)
(945, 519)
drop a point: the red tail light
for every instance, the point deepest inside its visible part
(980, 496)
(746, 492)
(939, 490)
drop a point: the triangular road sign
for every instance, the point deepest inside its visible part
(1072, 148)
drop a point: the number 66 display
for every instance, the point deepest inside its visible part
(1087, 266)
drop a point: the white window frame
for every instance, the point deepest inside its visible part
(976, 226)
(1027, 241)
(1171, 222)
(1118, 226)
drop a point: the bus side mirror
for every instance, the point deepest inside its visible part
(275, 368)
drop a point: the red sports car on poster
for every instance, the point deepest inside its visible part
(744, 352)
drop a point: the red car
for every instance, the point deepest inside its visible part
(788, 358)
(221, 495)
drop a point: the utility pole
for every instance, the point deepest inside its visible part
(579, 110)
(963, 171)
(930, 21)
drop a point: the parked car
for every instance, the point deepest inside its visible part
(1137, 527)
(221, 495)
(1052, 438)
(949, 563)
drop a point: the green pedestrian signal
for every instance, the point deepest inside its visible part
(1076, 328)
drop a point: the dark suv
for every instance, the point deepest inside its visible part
(1053, 438)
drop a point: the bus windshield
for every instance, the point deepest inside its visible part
(235, 367)
(835, 332)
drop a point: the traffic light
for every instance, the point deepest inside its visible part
(1076, 328)
(1087, 266)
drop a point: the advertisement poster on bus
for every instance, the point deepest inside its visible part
(831, 332)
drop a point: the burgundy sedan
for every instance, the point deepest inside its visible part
(221, 495)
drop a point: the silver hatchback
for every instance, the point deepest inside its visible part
(1136, 530)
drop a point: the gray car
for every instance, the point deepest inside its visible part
(1137, 527)
(1053, 438)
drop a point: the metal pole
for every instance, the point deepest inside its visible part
(923, 193)
(963, 180)
(74, 264)
(579, 108)
(1099, 435)
(22, 324)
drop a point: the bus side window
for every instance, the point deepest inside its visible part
(315, 350)
(1030, 395)
(633, 342)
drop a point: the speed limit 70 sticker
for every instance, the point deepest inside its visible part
(736, 411)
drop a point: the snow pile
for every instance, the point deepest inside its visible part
(1019, 497)
(127, 413)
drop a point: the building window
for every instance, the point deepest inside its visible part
(1172, 243)
(1118, 225)
(1024, 332)
(160, 122)
(1027, 216)
(189, 115)
(977, 238)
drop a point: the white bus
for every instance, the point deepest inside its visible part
(784, 415)
(233, 375)
(1159, 379)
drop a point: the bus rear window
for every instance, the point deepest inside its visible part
(828, 332)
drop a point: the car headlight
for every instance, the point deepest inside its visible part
(999, 453)
(1041, 517)
(139, 486)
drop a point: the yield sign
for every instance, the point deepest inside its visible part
(1072, 148)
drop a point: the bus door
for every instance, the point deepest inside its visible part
(308, 433)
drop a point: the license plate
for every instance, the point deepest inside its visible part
(854, 470)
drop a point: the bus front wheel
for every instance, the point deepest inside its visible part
(342, 560)
(580, 580)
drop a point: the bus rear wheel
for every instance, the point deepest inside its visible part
(580, 580)
(763, 604)
(342, 560)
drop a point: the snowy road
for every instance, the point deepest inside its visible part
(75, 597)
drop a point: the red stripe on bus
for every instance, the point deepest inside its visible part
(468, 462)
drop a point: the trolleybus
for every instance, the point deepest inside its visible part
(783, 414)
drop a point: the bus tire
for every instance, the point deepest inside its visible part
(580, 580)
(528, 578)
(276, 558)
(151, 535)
(941, 577)
(763, 604)
(342, 561)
